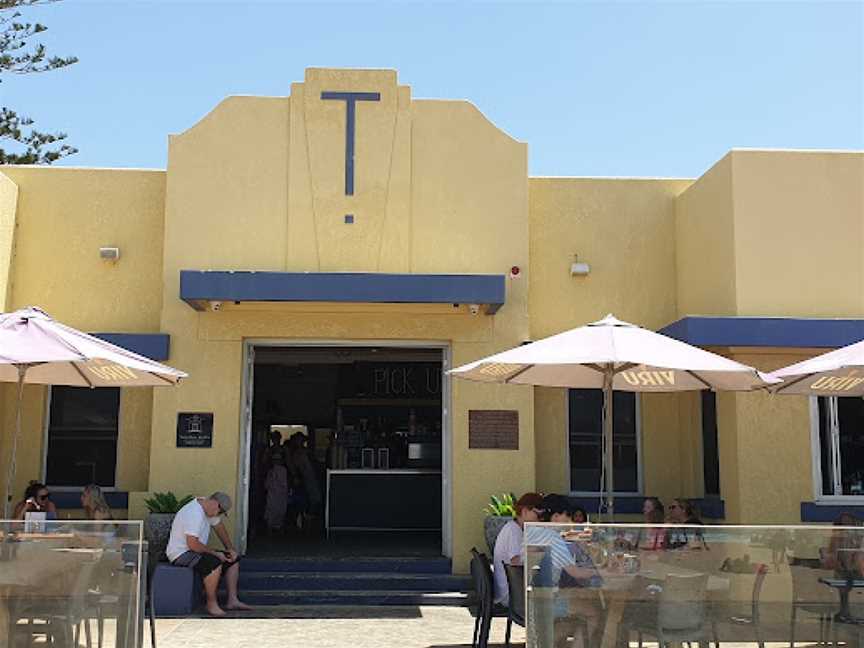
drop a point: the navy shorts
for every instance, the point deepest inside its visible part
(202, 564)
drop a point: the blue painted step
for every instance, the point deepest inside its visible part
(360, 581)
(354, 598)
(350, 565)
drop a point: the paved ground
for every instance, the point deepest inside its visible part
(340, 627)
(335, 627)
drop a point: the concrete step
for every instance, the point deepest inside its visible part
(349, 565)
(353, 598)
(362, 581)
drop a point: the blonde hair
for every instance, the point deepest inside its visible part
(96, 500)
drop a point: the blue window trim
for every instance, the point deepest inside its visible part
(155, 346)
(198, 287)
(787, 332)
(711, 508)
(818, 512)
(71, 499)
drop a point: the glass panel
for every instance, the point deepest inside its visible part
(55, 577)
(82, 436)
(710, 451)
(851, 416)
(585, 435)
(825, 447)
(629, 585)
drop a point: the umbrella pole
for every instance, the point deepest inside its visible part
(10, 478)
(609, 485)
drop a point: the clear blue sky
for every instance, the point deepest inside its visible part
(612, 88)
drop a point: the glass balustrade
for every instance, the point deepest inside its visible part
(616, 586)
(70, 583)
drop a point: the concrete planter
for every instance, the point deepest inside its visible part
(157, 530)
(492, 526)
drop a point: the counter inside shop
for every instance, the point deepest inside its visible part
(404, 499)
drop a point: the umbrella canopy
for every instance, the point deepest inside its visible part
(36, 349)
(836, 373)
(614, 355)
(55, 354)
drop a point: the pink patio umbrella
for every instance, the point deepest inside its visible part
(836, 373)
(35, 349)
(614, 355)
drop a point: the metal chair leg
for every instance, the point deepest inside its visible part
(507, 632)
(476, 631)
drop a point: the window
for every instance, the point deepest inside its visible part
(840, 427)
(585, 422)
(710, 450)
(82, 436)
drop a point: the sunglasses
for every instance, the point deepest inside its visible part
(44, 497)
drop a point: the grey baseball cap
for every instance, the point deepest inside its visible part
(224, 501)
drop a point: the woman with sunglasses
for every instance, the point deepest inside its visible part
(37, 499)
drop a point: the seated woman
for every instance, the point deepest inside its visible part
(94, 504)
(682, 511)
(579, 515)
(845, 552)
(37, 499)
(653, 512)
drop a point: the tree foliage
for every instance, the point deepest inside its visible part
(19, 55)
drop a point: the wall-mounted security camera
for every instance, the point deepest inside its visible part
(216, 306)
(474, 309)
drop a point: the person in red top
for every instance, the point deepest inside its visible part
(653, 511)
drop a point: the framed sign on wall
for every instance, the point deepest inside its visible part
(195, 429)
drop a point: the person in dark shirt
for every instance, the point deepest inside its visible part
(682, 511)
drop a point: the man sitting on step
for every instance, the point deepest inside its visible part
(187, 547)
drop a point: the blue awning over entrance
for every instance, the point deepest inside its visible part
(787, 332)
(198, 288)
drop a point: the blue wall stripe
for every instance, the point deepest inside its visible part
(155, 346)
(813, 512)
(766, 331)
(346, 287)
(711, 508)
(72, 499)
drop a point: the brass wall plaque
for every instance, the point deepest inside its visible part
(493, 429)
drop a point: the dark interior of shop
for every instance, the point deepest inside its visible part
(346, 452)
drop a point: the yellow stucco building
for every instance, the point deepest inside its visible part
(320, 260)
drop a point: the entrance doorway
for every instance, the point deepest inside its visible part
(345, 450)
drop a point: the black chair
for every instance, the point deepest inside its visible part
(516, 592)
(485, 606)
(475, 603)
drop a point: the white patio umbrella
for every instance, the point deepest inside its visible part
(836, 373)
(614, 356)
(36, 349)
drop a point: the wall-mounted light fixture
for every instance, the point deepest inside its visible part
(578, 269)
(109, 253)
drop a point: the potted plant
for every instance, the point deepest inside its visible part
(157, 527)
(498, 513)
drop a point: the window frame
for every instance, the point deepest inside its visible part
(816, 464)
(637, 397)
(701, 454)
(46, 429)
